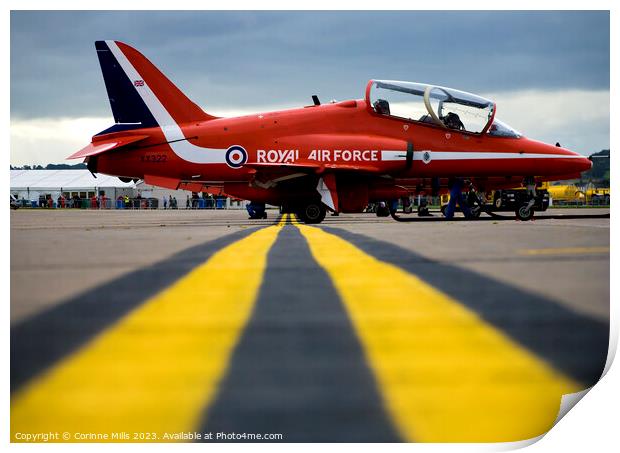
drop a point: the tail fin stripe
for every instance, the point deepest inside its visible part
(171, 130)
(127, 107)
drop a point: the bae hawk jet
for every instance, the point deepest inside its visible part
(400, 139)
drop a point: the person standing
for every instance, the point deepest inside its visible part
(456, 197)
(256, 210)
(165, 202)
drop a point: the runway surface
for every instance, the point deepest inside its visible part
(360, 329)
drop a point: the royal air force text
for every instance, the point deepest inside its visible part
(319, 155)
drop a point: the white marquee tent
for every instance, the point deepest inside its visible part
(30, 184)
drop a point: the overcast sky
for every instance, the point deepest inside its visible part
(547, 71)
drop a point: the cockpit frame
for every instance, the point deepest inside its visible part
(440, 95)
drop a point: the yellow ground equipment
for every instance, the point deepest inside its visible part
(598, 195)
(566, 193)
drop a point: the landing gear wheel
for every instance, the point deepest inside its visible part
(524, 213)
(475, 212)
(498, 202)
(312, 213)
(383, 211)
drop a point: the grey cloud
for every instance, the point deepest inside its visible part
(226, 60)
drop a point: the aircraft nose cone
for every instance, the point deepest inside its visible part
(586, 162)
(581, 162)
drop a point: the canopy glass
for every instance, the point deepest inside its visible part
(444, 107)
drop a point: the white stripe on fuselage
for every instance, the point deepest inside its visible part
(182, 148)
(391, 155)
(464, 155)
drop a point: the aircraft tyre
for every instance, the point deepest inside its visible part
(382, 211)
(524, 213)
(313, 212)
(475, 211)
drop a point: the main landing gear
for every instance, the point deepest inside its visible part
(312, 212)
(307, 211)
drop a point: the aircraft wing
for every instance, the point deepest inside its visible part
(310, 167)
(98, 147)
(270, 174)
(307, 167)
(267, 175)
(349, 167)
(179, 184)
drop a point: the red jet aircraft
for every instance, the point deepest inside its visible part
(402, 138)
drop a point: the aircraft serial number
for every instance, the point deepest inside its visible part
(154, 158)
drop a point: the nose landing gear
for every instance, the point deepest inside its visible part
(474, 202)
(525, 211)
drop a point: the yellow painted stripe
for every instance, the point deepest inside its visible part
(445, 374)
(565, 251)
(157, 369)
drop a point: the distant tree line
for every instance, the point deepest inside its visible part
(50, 167)
(598, 175)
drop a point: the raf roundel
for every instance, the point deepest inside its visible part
(236, 156)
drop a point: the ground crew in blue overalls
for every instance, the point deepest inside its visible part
(456, 196)
(256, 210)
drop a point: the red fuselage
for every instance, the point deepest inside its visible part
(346, 136)
(343, 155)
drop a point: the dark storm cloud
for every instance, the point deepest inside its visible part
(227, 60)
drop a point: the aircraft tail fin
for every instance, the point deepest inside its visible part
(140, 94)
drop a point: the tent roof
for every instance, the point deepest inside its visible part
(67, 179)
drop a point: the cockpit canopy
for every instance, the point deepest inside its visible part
(444, 107)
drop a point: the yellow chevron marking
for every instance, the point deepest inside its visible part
(445, 374)
(156, 370)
